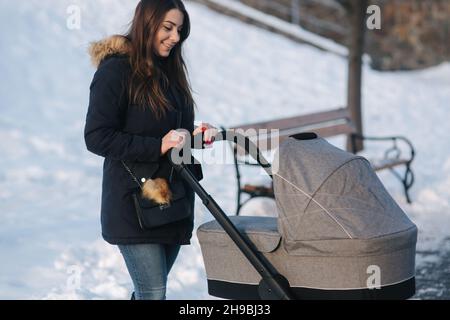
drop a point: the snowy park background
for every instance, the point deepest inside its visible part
(50, 184)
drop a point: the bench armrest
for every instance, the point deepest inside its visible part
(394, 149)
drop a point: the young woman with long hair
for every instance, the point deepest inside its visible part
(137, 95)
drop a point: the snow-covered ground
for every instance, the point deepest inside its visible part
(50, 184)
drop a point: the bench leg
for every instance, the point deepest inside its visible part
(239, 205)
(406, 188)
(238, 179)
(407, 180)
(250, 197)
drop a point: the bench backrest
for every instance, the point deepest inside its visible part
(325, 124)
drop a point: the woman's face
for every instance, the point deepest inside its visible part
(168, 34)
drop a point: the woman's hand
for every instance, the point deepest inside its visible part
(209, 132)
(173, 139)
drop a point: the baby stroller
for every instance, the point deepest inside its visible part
(338, 234)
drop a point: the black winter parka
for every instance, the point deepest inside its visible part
(118, 131)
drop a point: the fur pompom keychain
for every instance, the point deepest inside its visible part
(157, 190)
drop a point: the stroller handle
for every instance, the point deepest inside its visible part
(240, 140)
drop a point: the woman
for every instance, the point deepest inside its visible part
(135, 94)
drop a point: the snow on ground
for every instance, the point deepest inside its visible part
(50, 185)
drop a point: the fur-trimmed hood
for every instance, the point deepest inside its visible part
(157, 189)
(116, 44)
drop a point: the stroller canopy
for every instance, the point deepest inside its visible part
(325, 193)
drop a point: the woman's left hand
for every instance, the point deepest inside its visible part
(209, 132)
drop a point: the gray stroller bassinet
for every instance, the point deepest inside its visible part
(338, 233)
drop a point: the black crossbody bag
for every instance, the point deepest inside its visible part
(151, 214)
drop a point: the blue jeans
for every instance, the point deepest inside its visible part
(148, 265)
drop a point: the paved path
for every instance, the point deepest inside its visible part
(433, 276)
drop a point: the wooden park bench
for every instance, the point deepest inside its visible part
(325, 124)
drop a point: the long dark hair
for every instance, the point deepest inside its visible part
(152, 76)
